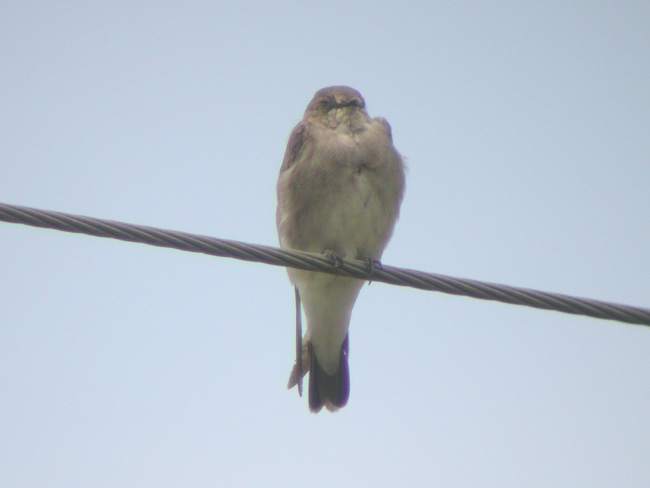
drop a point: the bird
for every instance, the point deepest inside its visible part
(339, 193)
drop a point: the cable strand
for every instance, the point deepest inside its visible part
(315, 262)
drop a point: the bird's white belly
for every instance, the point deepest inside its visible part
(353, 224)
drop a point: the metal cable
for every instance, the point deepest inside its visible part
(317, 262)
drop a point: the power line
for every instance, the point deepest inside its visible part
(317, 262)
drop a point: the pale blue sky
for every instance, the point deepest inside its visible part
(526, 128)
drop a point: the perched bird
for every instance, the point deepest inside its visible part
(339, 192)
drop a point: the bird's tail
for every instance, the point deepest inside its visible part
(329, 391)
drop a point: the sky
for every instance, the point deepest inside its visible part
(525, 130)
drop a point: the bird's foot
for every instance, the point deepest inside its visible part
(372, 265)
(334, 259)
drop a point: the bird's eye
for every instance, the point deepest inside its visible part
(354, 102)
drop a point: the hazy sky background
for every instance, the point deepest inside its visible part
(526, 126)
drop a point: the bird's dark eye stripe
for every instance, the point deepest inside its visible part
(354, 102)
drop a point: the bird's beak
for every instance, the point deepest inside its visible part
(340, 99)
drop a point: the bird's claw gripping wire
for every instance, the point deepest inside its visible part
(372, 265)
(333, 258)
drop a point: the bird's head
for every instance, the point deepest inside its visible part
(336, 104)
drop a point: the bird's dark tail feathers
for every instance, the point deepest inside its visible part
(329, 391)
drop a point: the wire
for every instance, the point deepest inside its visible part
(317, 262)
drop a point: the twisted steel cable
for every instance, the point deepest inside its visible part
(317, 262)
